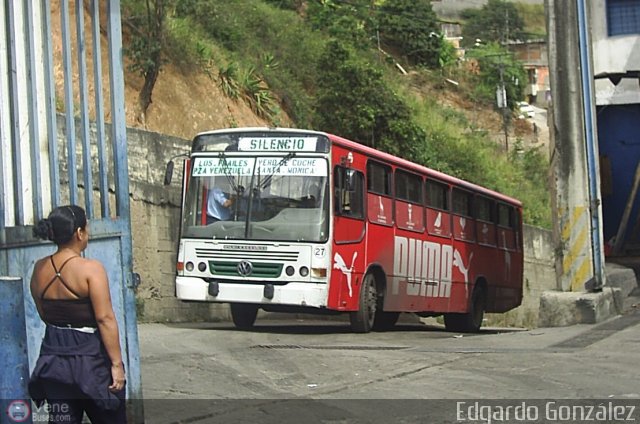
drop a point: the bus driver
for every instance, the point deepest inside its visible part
(218, 205)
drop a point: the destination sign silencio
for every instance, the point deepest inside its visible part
(278, 144)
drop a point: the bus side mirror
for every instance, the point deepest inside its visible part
(168, 173)
(350, 180)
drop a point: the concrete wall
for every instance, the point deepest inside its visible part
(155, 215)
(155, 223)
(539, 276)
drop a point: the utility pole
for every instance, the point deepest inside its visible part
(576, 204)
(501, 99)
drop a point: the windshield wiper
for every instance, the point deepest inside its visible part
(284, 160)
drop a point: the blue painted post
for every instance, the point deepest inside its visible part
(15, 403)
(588, 99)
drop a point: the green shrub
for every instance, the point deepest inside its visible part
(411, 28)
(354, 101)
(228, 81)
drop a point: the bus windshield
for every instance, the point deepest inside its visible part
(279, 197)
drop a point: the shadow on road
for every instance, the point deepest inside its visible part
(323, 327)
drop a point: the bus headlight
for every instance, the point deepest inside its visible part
(202, 267)
(290, 270)
(189, 266)
(304, 271)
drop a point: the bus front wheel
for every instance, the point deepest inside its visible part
(362, 320)
(471, 321)
(243, 315)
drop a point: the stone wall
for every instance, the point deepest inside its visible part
(155, 211)
(155, 223)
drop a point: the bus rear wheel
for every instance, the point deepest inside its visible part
(471, 321)
(362, 320)
(243, 315)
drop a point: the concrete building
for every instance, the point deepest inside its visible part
(534, 58)
(615, 35)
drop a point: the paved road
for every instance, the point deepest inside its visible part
(318, 371)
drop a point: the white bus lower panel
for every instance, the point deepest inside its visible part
(299, 294)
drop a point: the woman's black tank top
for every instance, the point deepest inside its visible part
(74, 313)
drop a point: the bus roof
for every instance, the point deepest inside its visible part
(260, 129)
(379, 155)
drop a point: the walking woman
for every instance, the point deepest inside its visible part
(80, 367)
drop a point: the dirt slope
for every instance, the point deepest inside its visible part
(185, 102)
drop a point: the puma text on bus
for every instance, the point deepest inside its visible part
(425, 266)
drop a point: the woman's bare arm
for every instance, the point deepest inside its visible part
(35, 290)
(107, 324)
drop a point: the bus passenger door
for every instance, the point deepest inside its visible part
(348, 236)
(348, 206)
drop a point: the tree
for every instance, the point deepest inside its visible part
(497, 66)
(497, 21)
(146, 21)
(354, 101)
(411, 28)
(350, 21)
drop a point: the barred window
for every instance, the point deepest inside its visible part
(623, 17)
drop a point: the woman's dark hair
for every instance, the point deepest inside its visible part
(61, 223)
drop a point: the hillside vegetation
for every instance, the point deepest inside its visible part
(377, 72)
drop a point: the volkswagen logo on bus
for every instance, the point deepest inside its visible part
(245, 268)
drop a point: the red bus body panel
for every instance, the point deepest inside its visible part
(430, 259)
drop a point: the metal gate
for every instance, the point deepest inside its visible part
(61, 76)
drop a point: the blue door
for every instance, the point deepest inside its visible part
(619, 146)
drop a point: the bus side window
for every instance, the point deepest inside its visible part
(348, 199)
(507, 227)
(409, 201)
(484, 212)
(379, 193)
(438, 208)
(461, 206)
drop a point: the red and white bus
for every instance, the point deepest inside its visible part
(324, 224)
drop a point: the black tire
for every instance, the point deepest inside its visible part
(471, 321)
(362, 320)
(385, 320)
(243, 315)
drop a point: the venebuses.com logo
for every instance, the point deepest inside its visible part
(19, 411)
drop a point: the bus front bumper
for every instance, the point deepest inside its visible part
(298, 294)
